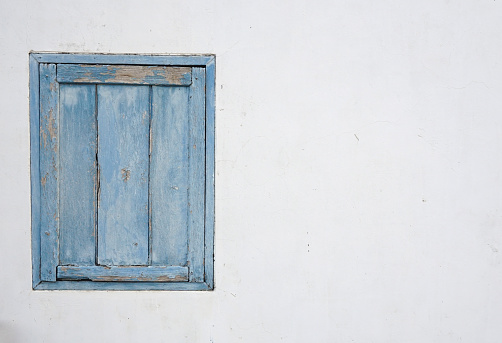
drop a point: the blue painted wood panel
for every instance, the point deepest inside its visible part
(49, 170)
(123, 158)
(196, 175)
(35, 168)
(128, 274)
(124, 74)
(209, 175)
(124, 286)
(77, 174)
(176, 60)
(169, 175)
(165, 150)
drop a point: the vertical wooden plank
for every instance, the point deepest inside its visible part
(49, 170)
(169, 175)
(77, 174)
(210, 170)
(123, 153)
(196, 155)
(35, 168)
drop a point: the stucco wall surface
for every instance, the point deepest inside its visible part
(358, 171)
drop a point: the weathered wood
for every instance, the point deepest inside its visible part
(175, 60)
(77, 174)
(129, 274)
(123, 150)
(196, 176)
(35, 168)
(169, 175)
(123, 217)
(49, 170)
(124, 74)
(123, 286)
(210, 156)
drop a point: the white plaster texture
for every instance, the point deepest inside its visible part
(358, 171)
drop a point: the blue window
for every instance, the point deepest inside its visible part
(122, 171)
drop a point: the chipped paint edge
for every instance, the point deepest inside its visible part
(125, 74)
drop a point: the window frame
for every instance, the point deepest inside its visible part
(205, 61)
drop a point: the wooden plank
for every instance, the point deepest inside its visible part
(49, 171)
(169, 175)
(123, 150)
(128, 274)
(35, 168)
(173, 60)
(210, 169)
(196, 176)
(123, 286)
(77, 174)
(124, 74)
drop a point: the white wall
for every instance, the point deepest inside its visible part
(359, 180)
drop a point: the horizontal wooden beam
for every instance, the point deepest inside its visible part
(124, 74)
(123, 286)
(173, 60)
(134, 274)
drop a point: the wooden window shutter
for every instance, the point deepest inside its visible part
(122, 171)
